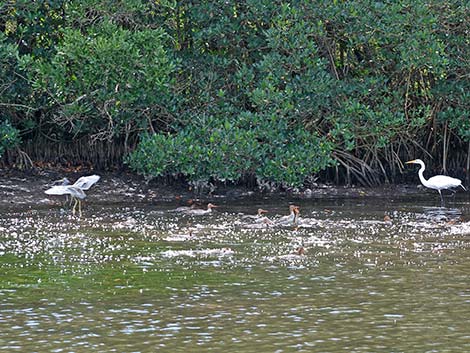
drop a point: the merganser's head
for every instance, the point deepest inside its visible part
(261, 211)
(211, 205)
(294, 208)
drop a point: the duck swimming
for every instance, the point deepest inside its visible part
(258, 220)
(200, 212)
(191, 205)
(259, 215)
(292, 218)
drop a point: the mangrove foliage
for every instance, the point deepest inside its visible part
(276, 92)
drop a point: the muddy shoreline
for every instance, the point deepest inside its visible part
(25, 188)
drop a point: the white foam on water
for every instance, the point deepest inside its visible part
(199, 252)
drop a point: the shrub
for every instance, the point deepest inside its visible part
(9, 137)
(273, 89)
(220, 150)
(105, 83)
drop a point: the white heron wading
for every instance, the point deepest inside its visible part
(75, 190)
(438, 182)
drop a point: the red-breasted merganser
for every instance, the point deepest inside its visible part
(297, 216)
(292, 218)
(258, 219)
(199, 212)
(259, 214)
(191, 205)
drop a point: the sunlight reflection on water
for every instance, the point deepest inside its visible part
(135, 278)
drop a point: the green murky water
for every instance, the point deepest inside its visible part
(137, 278)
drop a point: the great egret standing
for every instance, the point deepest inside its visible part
(75, 190)
(438, 182)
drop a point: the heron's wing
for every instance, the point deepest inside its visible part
(58, 190)
(77, 192)
(86, 182)
(66, 190)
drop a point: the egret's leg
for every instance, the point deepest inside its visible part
(66, 200)
(454, 192)
(74, 206)
(442, 199)
(80, 207)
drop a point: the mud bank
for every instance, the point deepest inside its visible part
(26, 189)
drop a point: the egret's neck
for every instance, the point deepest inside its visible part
(421, 176)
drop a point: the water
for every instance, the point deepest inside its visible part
(133, 277)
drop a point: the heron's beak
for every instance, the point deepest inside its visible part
(411, 162)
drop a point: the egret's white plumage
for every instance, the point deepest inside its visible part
(438, 182)
(75, 190)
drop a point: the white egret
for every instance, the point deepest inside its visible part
(438, 182)
(75, 190)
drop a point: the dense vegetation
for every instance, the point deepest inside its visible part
(273, 91)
